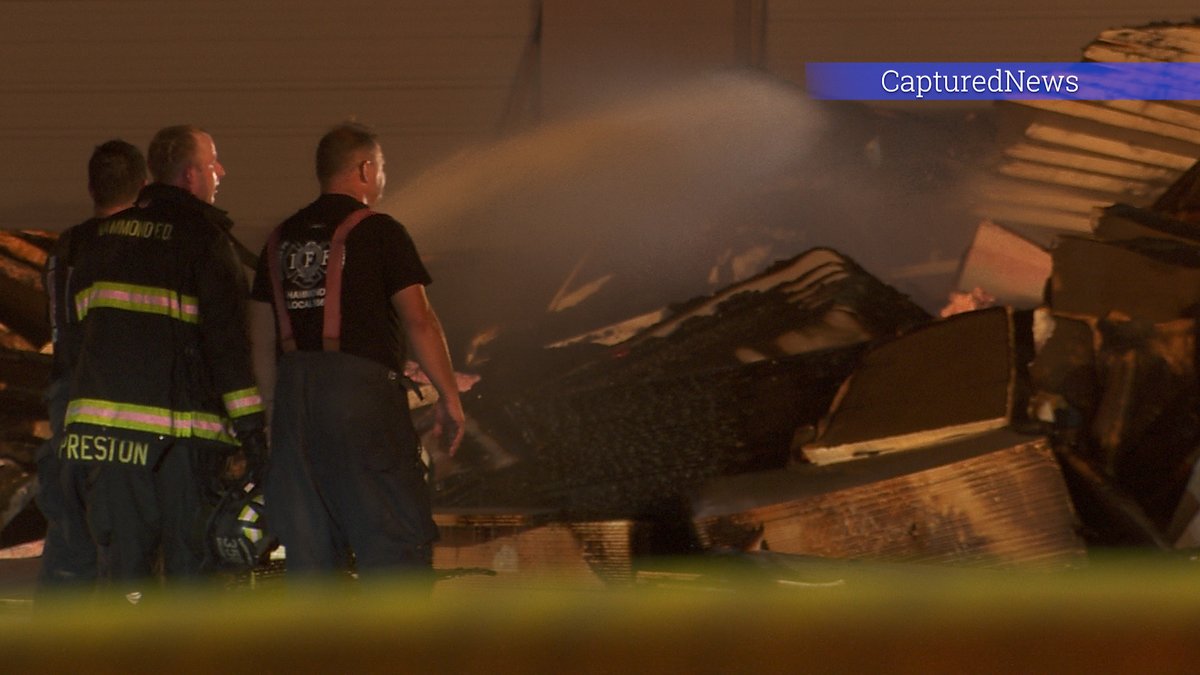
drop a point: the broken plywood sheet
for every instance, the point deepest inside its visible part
(1155, 281)
(947, 379)
(1008, 267)
(526, 548)
(996, 499)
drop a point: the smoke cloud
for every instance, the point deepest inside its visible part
(655, 199)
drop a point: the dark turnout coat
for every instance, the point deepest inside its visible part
(156, 333)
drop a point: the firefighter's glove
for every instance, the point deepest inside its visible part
(248, 463)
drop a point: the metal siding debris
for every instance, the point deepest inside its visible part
(997, 499)
(529, 549)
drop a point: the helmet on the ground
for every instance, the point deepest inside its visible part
(238, 531)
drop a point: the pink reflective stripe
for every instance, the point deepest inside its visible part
(150, 419)
(214, 427)
(103, 294)
(163, 421)
(238, 404)
(331, 331)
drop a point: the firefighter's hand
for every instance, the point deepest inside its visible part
(450, 424)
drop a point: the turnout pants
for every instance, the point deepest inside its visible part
(136, 512)
(345, 470)
(69, 554)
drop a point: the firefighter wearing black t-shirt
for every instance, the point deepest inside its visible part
(162, 394)
(335, 287)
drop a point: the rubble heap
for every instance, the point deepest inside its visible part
(24, 371)
(720, 386)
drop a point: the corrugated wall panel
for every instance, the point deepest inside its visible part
(946, 30)
(265, 78)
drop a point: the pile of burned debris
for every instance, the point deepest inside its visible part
(24, 373)
(720, 386)
(814, 411)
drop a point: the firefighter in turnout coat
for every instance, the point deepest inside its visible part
(162, 397)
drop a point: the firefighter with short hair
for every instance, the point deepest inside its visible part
(339, 295)
(116, 173)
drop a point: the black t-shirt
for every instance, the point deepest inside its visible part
(380, 260)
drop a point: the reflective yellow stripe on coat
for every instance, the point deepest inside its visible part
(150, 419)
(135, 298)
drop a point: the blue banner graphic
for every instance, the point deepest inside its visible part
(1003, 81)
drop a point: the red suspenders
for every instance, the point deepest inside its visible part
(331, 330)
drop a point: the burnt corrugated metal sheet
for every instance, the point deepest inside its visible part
(482, 548)
(1072, 157)
(996, 499)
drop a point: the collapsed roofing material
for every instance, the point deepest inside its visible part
(816, 300)
(1073, 156)
(1114, 372)
(994, 499)
(625, 431)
